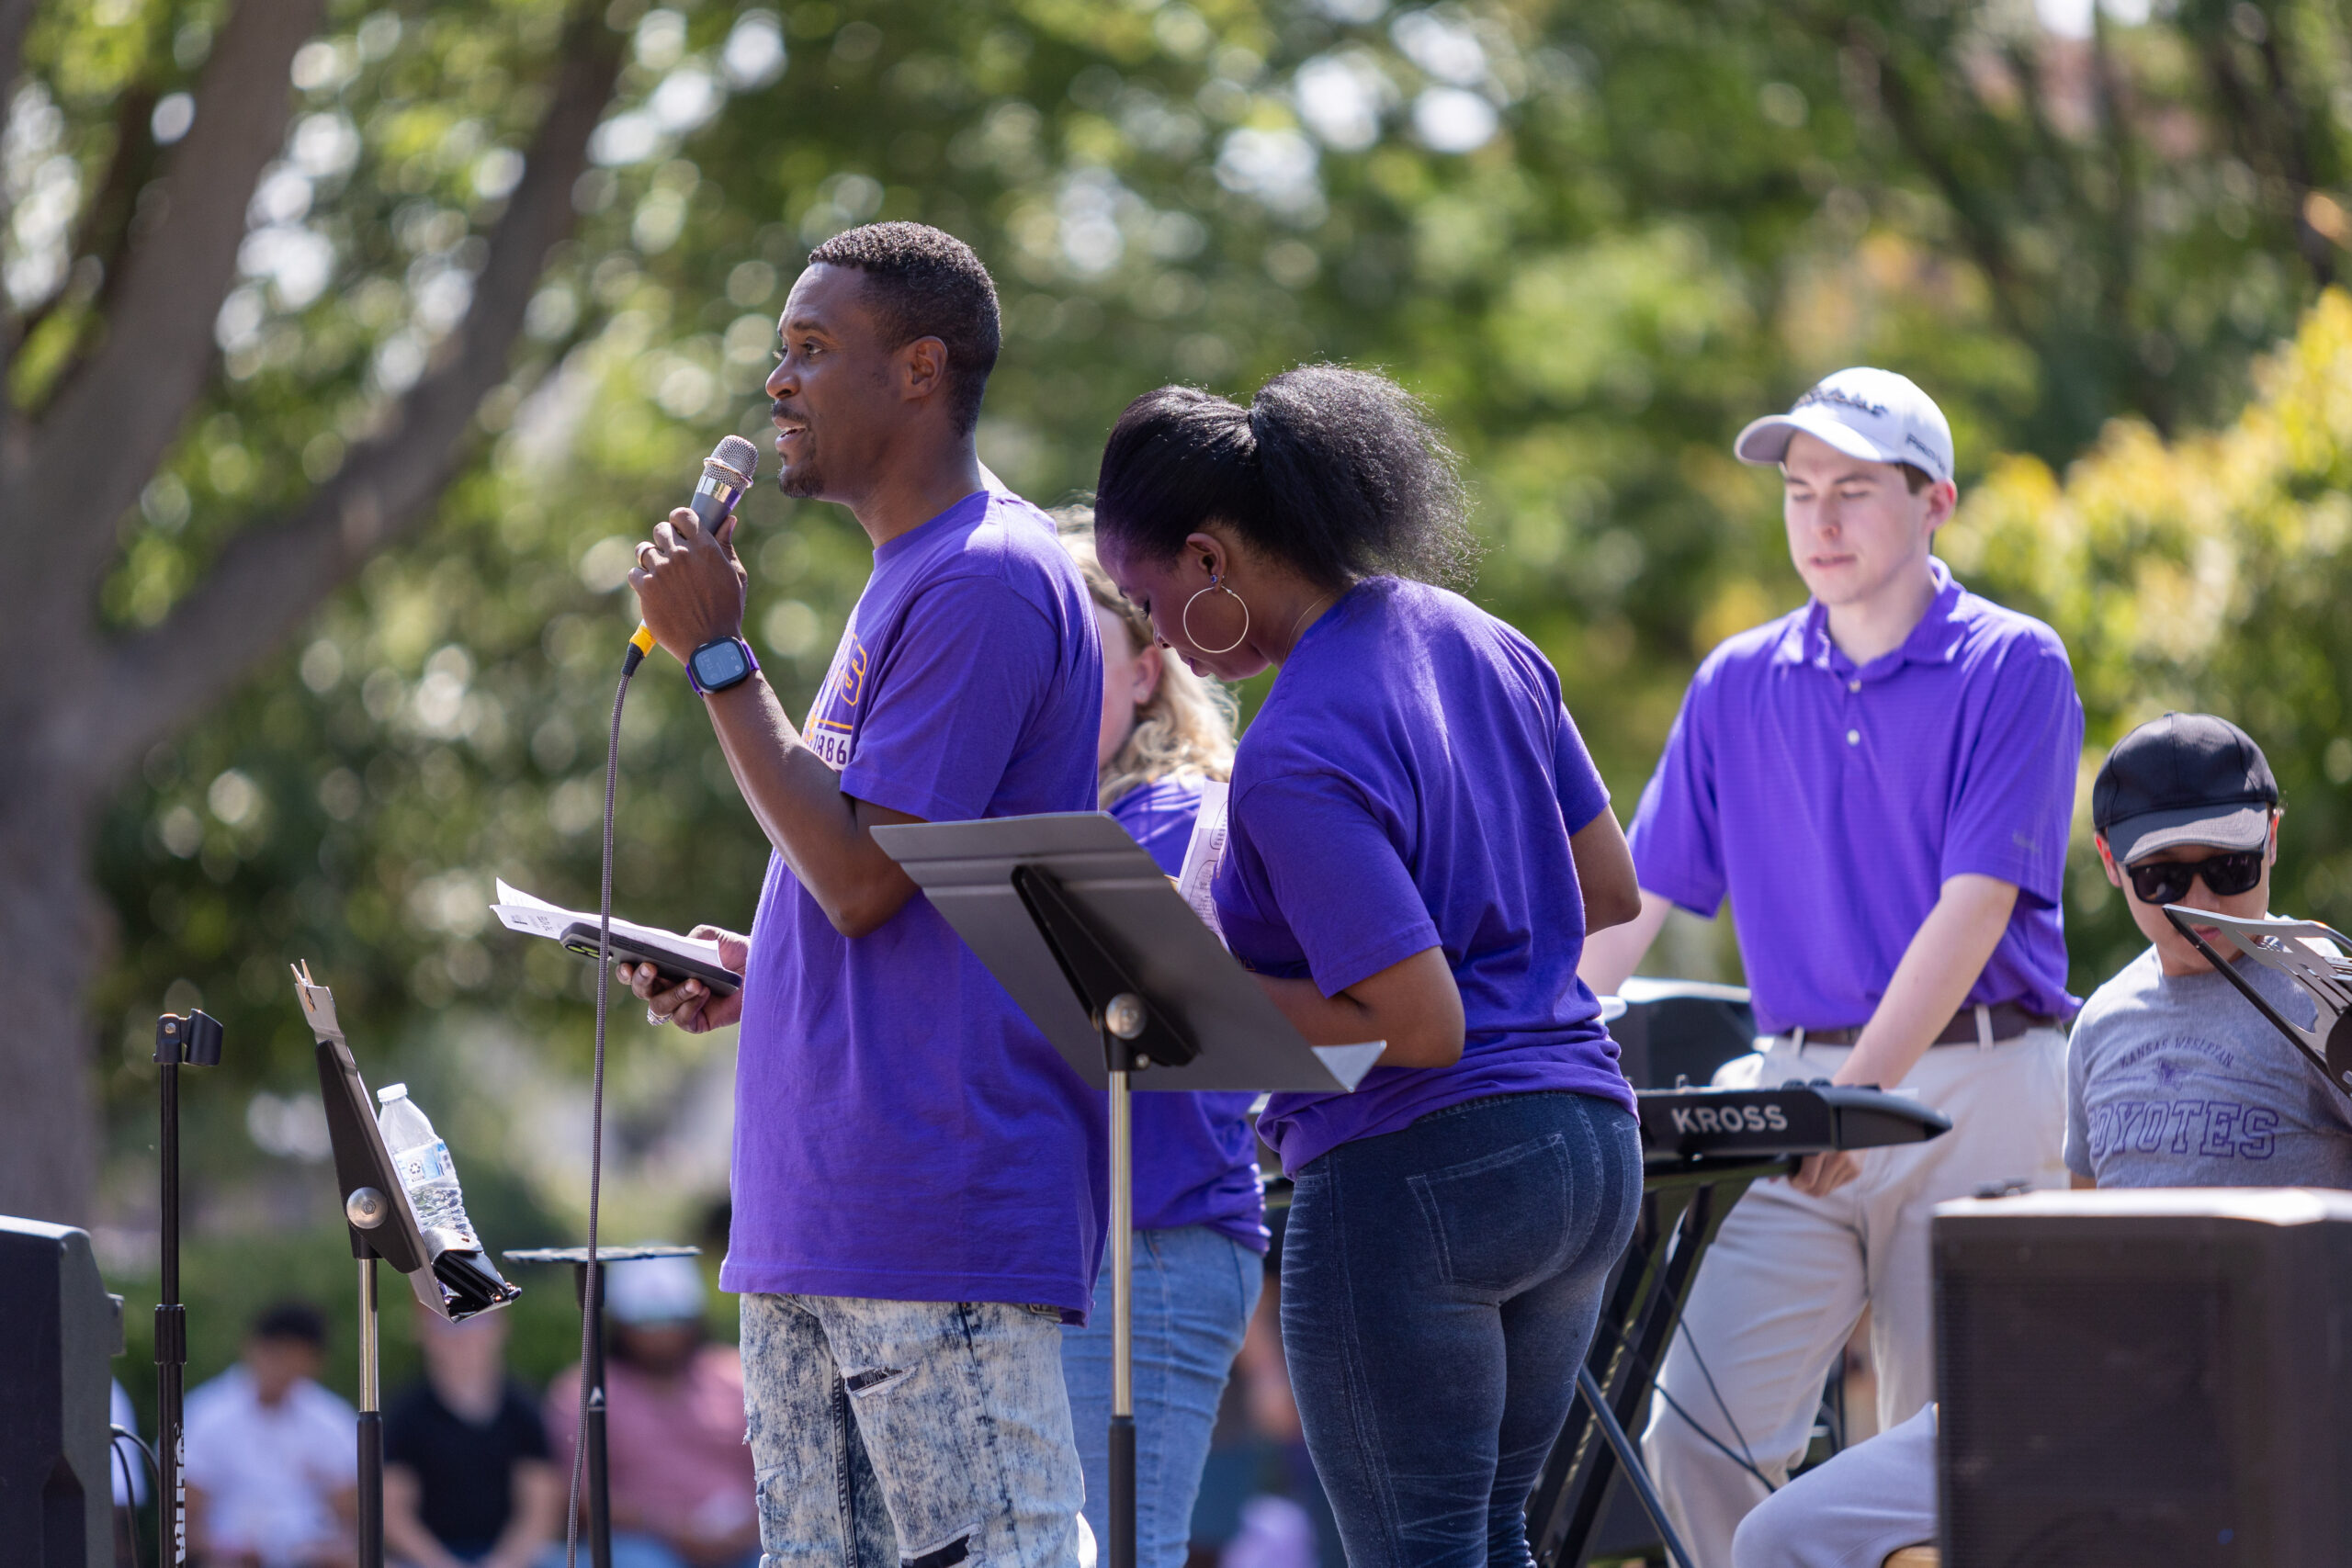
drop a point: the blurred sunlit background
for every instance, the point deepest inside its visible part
(1596, 237)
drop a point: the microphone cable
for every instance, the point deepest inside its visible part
(1745, 1457)
(592, 1290)
(727, 473)
(127, 1516)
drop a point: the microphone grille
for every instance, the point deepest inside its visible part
(739, 454)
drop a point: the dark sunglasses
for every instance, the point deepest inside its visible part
(2166, 882)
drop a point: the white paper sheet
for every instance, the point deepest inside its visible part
(520, 911)
(1202, 854)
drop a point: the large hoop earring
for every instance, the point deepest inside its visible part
(1185, 620)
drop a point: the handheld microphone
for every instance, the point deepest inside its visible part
(727, 473)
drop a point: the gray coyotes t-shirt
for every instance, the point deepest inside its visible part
(2175, 1080)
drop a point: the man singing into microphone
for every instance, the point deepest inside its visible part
(917, 1175)
(1881, 782)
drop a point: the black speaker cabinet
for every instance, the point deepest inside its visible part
(2149, 1379)
(58, 1329)
(1679, 1028)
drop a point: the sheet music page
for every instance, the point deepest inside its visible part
(1203, 854)
(520, 911)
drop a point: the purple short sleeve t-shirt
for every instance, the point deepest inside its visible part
(1196, 1162)
(902, 1131)
(1410, 782)
(1831, 802)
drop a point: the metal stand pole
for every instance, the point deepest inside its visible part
(1632, 1462)
(600, 1484)
(171, 1331)
(1122, 1509)
(371, 1425)
(193, 1041)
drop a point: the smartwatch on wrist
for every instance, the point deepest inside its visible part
(720, 663)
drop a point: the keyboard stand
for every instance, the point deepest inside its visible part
(1683, 1205)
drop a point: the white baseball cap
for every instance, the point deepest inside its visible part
(1875, 415)
(653, 1290)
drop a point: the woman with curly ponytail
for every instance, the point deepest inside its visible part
(1418, 843)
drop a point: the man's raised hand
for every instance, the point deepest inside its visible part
(689, 1004)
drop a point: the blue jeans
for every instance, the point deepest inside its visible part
(1440, 1286)
(1195, 1290)
(911, 1435)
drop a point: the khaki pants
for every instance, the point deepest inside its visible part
(1788, 1276)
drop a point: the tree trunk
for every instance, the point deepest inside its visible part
(79, 704)
(54, 929)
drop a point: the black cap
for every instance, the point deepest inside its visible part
(2187, 778)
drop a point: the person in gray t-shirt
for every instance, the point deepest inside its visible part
(2173, 1079)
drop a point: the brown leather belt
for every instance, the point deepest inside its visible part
(2007, 1021)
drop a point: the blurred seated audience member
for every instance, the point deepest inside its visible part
(273, 1459)
(467, 1477)
(674, 1425)
(2173, 1079)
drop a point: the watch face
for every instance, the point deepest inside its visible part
(720, 664)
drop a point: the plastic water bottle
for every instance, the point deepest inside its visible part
(424, 1166)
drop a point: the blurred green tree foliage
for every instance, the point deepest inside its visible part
(2210, 573)
(1597, 238)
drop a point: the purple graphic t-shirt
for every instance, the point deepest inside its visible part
(1412, 783)
(1196, 1163)
(901, 1130)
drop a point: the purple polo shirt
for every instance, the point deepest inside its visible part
(1196, 1159)
(1832, 802)
(902, 1131)
(1412, 783)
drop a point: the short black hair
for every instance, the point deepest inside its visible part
(924, 282)
(1340, 473)
(292, 1320)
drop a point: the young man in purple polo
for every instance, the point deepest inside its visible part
(1882, 783)
(917, 1175)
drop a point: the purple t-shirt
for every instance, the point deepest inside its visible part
(1832, 802)
(1196, 1163)
(1412, 783)
(901, 1130)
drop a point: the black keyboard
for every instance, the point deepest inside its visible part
(1795, 1118)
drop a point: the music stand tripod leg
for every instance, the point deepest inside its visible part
(1121, 1511)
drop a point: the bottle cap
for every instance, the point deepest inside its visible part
(390, 1092)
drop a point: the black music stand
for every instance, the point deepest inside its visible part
(2285, 945)
(592, 1437)
(1079, 923)
(382, 1224)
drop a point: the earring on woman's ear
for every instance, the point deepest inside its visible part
(1215, 582)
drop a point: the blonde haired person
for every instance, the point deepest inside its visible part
(1159, 720)
(1200, 1210)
